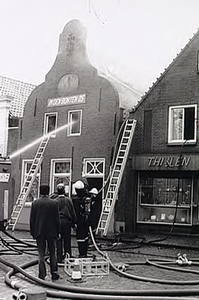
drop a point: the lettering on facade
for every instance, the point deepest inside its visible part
(77, 99)
(168, 161)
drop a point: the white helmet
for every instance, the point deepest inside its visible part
(94, 191)
(79, 185)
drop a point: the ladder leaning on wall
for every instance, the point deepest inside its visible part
(25, 190)
(116, 177)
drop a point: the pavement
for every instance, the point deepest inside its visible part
(146, 267)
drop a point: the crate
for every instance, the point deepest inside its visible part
(88, 266)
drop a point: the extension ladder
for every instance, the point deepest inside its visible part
(25, 190)
(116, 177)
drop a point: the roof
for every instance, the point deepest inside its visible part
(20, 92)
(167, 69)
(128, 95)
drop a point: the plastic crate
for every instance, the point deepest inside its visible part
(88, 266)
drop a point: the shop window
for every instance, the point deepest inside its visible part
(60, 173)
(74, 121)
(165, 191)
(165, 199)
(182, 124)
(50, 123)
(34, 192)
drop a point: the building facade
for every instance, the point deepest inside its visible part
(13, 95)
(86, 106)
(162, 177)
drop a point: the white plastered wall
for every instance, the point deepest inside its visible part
(5, 103)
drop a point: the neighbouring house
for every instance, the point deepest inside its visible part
(161, 186)
(13, 96)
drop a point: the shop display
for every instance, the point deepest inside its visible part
(164, 200)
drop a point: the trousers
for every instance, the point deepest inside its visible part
(82, 233)
(64, 243)
(42, 244)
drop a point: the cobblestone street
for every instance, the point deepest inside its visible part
(133, 259)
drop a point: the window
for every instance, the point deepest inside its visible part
(74, 121)
(50, 123)
(34, 192)
(94, 167)
(60, 173)
(165, 199)
(182, 124)
(13, 122)
(164, 191)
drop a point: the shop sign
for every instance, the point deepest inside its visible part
(77, 99)
(168, 161)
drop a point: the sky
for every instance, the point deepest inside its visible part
(134, 39)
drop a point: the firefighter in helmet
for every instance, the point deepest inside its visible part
(82, 205)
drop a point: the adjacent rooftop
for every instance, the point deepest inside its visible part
(19, 90)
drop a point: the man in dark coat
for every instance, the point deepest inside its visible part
(68, 219)
(45, 228)
(82, 212)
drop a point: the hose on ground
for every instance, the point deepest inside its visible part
(92, 294)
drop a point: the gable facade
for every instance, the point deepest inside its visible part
(75, 96)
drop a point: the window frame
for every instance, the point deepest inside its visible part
(70, 112)
(53, 174)
(46, 118)
(24, 173)
(171, 140)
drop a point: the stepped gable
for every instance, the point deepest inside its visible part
(128, 96)
(195, 35)
(20, 92)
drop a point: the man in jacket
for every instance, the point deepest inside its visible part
(68, 219)
(45, 228)
(82, 209)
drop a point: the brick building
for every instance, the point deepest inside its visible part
(162, 177)
(89, 104)
(13, 96)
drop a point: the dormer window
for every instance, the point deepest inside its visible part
(182, 124)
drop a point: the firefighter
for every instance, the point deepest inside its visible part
(54, 195)
(95, 210)
(82, 205)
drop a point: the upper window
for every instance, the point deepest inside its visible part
(50, 123)
(74, 121)
(182, 124)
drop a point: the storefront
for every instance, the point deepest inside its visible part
(167, 190)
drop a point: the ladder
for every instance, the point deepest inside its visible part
(116, 177)
(25, 190)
